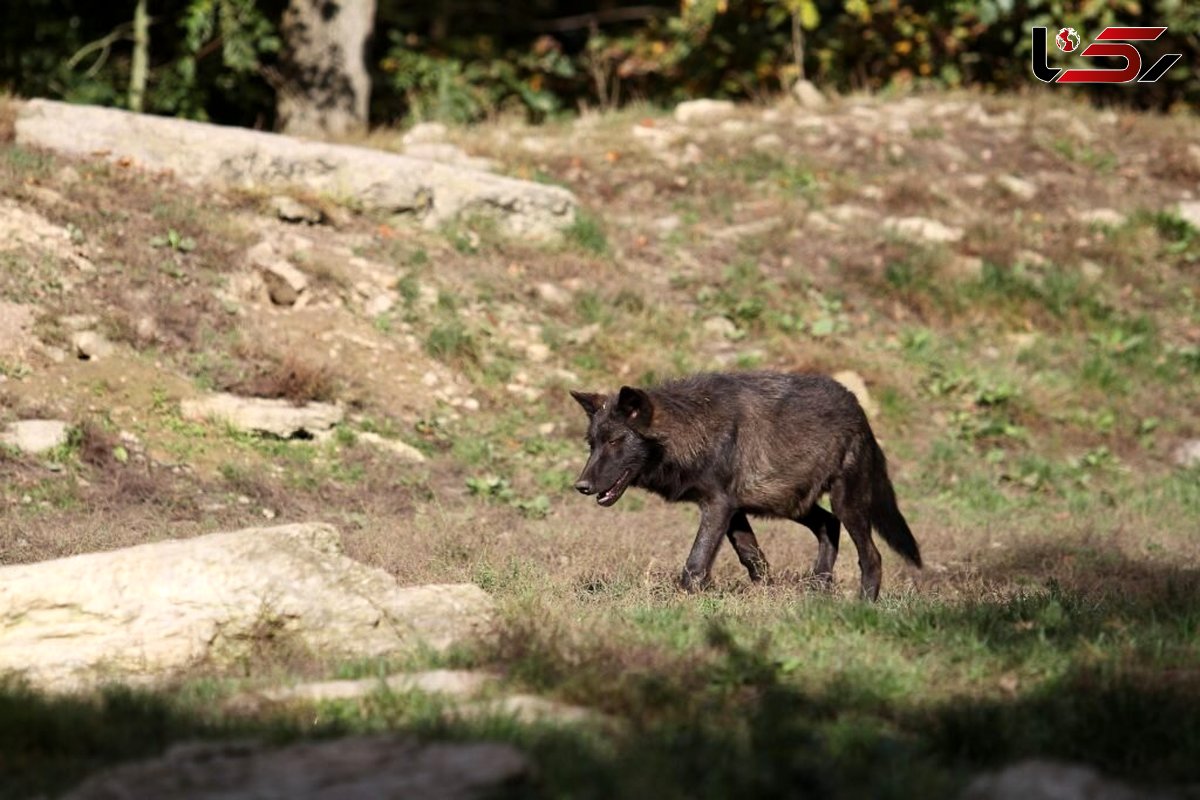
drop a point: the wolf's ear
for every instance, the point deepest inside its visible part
(591, 402)
(635, 406)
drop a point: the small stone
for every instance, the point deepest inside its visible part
(654, 137)
(454, 683)
(973, 180)
(847, 213)
(445, 153)
(584, 335)
(808, 95)
(546, 428)
(929, 230)
(530, 709)
(1105, 217)
(425, 132)
(703, 111)
(146, 329)
(1018, 187)
(720, 326)
(668, 223)
(284, 282)
(35, 436)
(1090, 270)
(289, 209)
(1187, 454)
(966, 267)
(91, 345)
(1031, 258)
(757, 227)
(68, 175)
(1189, 210)
(537, 352)
(379, 304)
(551, 294)
(79, 322)
(767, 143)
(405, 451)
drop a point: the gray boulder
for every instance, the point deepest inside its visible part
(35, 436)
(357, 768)
(1037, 779)
(140, 614)
(197, 152)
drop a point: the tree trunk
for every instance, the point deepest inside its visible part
(325, 85)
(141, 56)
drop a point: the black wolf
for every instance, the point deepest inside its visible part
(754, 443)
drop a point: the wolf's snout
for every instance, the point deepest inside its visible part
(584, 487)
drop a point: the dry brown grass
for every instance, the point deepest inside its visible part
(8, 118)
(291, 378)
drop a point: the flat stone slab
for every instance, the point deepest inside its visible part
(35, 436)
(356, 768)
(198, 152)
(263, 415)
(142, 613)
(1038, 779)
(451, 682)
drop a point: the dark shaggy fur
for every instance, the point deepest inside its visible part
(755, 443)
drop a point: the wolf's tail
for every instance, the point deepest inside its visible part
(885, 514)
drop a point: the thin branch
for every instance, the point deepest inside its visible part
(103, 44)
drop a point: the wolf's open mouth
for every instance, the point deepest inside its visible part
(613, 494)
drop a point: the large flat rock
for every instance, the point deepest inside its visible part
(142, 613)
(263, 415)
(357, 768)
(198, 152)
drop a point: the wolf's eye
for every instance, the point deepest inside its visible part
(616, 441)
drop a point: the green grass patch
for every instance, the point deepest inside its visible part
(587, 233)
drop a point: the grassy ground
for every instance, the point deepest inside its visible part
(1031, 380)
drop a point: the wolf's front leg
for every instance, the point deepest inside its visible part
(714, 521)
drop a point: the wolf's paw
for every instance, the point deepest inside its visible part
(692, 582)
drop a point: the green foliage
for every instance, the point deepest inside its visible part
(175, 241)
(211, 58)
(468, 86)
(452, 342)
(587, 233)
(498, 489)
(244, 36)
(207, 57)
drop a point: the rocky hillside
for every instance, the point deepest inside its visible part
(1010, 284)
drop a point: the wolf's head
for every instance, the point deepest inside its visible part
(617, 428)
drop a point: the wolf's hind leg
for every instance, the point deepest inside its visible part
(848, 504)
(745, 543)
(827, 528)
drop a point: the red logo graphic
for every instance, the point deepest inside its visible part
(1113, 43)
(1067, 40)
